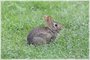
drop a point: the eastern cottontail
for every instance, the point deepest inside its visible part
(44, 35)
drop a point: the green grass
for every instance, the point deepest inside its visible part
(18, 18)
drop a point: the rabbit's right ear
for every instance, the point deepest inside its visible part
(48, 20)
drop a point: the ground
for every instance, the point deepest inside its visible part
(19, 18)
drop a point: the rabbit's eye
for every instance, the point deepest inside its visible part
(55, 24)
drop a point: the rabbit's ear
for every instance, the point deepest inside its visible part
(48, 20)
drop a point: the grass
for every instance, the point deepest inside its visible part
(18, 18)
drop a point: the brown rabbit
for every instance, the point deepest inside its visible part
(44, 35)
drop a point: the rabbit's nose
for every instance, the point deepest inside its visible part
(60, 27)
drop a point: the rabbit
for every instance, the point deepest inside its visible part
(46, 34)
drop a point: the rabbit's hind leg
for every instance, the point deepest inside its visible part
(38, 41)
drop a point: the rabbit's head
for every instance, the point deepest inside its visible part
(54, 26)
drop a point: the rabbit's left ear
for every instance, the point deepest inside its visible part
(48, 19)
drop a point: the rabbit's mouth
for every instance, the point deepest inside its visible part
(58, 30)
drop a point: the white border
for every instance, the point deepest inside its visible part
(0, 29)
(89, 29)
(44, 0)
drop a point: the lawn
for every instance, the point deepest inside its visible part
(19, 18)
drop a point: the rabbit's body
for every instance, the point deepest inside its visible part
(41, 36)
(44, 35)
